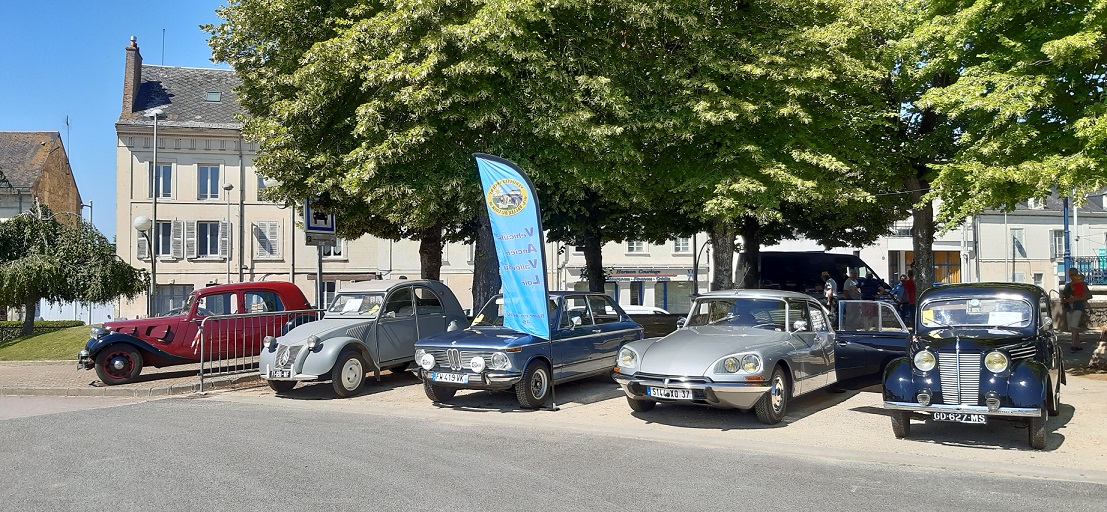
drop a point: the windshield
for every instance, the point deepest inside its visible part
(976, 313)
(366, 304)
(760, 313)
(492, 314)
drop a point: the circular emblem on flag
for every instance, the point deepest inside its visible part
(507, 197)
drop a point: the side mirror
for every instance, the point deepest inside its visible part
(575, 320)
(799, 325)
(681, 321)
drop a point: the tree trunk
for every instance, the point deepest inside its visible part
(430, 253)
(749, 264)
(486, 272)
(723, 234)
(29, 318)
(922, 236)
(593, 260)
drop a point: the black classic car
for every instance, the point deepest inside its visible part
(980, 352)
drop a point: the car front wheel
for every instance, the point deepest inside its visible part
(348, 374)
(901, 424)
(640, 405)
(281, 386)
(438, 394)
(533, 390)
(773, 404)
(118, 364)
(1036, 431)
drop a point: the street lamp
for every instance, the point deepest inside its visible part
(143, 224)
(155, 114)
(227, 187)
(696, 265)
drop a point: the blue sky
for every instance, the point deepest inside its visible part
(65, 58)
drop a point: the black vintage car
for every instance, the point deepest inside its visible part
(981, 352)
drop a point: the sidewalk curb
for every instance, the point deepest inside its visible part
(235, 382)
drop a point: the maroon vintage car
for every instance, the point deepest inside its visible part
(119, 350)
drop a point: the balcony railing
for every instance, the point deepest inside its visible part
(1094, 268)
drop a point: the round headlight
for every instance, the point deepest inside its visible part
(426, 361)
(312, 342)
(500, 361)
(996, 362)
(628, 358)
(925, 361)
(98, 331)
(269, 342)
(477, 364)
(419, 354)
(730, 364)
(751, 363)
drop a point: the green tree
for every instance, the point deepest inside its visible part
(1004, 102)
(59, 261)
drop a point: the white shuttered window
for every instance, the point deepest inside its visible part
(267, 238)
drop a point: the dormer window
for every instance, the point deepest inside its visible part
(213, 96)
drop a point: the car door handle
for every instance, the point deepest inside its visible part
(595, 331)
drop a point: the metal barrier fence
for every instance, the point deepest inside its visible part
(230, 344)
(1093, 268)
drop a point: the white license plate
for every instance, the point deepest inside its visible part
(279, 373)
(958, 417)
(672, 394)
(456, 378)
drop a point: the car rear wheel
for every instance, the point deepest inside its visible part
(438, 393)
(533, 390)
(1037, 431)
(773, 404)
(118, 364)
(281, 386)
(640, 405)
(348, 374)
(901, 424)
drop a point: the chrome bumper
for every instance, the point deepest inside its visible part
(483, 380)
(738, 395)
(1015, 412)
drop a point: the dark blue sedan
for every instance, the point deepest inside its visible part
(588, 329)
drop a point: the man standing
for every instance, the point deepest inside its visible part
(830, 289)
(850, 288)
(1074, 298)
(909, 288)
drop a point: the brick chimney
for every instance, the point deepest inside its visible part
(132, 78)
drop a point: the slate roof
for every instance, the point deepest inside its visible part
(23, 155)
(180, 93)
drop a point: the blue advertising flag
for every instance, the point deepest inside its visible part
(517, 231)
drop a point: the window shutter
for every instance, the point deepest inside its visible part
(177, 240)
(190, 238)
(274, 234)
(224, 239)
(143, 248)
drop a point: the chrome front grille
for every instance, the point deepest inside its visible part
(286, 355)
(1022, 353)
(672, 379)
(457, 359)
(960, 374)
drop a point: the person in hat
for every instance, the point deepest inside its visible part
(1074, 299)
(830, 288)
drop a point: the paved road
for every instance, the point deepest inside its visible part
(239, 451)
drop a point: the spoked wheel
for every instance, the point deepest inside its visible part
(1036, 431)
(348, 374)
(438, 394)
(281, 386)
(534, 389)
(118, 364)
(772, 405)
(901, 424)
(640, 405)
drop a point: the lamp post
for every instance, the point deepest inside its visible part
(143, 224)
(696, 265)
(227, 187)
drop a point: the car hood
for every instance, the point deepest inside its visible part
(325, 329)
(691, 351)
(476, 337)
(973, 340)
(126, 325)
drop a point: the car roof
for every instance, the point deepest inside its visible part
(757, 294)
(263, 285)
(946, 291)
(381, 285)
